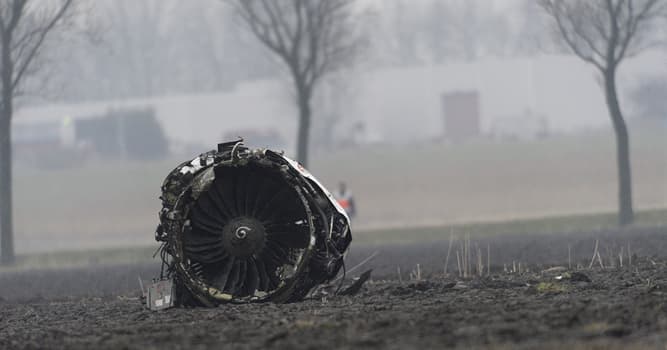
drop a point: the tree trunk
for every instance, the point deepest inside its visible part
(625, 211)
(6, 111)
(6, 226)
(304, 126)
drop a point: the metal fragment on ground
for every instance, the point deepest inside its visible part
(358, 283)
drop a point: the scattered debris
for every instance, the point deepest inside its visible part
(362, 263)
(574, 276)
(160, 295)
(358, 283)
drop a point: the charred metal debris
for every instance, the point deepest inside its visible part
(242, 225)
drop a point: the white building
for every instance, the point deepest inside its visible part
(398, 104)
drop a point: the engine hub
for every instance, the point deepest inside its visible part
(243, 237)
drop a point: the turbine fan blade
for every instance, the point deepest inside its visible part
(252, 282)
(233, 277)
(205, 223)
(220, 280)
(283, 213)
(243, 268)
(275, 202)
(240, 185)
(225, 189)
(251, 192)
(267, 189)
(264, 281)
(273, 257)
(206, 256)
(213, 200)
(291, 239)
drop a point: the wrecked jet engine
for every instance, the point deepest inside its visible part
(248, 225)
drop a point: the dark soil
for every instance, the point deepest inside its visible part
(540, 307)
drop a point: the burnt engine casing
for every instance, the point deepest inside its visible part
(248, 225)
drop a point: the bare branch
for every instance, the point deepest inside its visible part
(568, 24)
(308, 35)
(635, 23)
(39, 36)
(604, 32)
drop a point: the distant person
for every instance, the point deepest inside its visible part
(346, 200)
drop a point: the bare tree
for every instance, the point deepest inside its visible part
(24, 28)
(311, 37)
(603, 33)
